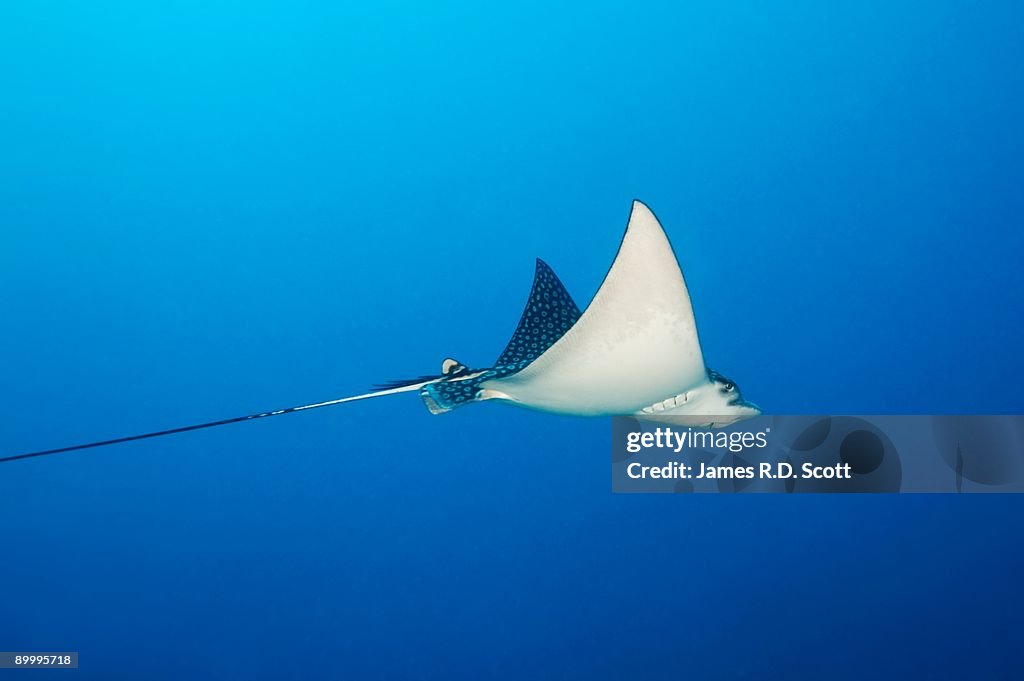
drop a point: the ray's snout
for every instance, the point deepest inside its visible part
(746, 409)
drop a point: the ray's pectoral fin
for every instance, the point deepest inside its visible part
(635, 344)
(549, 313)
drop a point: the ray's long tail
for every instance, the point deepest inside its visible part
(222, 422)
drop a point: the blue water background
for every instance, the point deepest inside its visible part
(212, 209)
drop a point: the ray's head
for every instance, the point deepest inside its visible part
(721, 399)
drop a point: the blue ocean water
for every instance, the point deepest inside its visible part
(209, 210)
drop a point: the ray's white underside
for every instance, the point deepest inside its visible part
(635, 345)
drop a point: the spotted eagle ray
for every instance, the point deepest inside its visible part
(634, 351)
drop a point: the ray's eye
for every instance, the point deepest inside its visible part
(728, 386)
